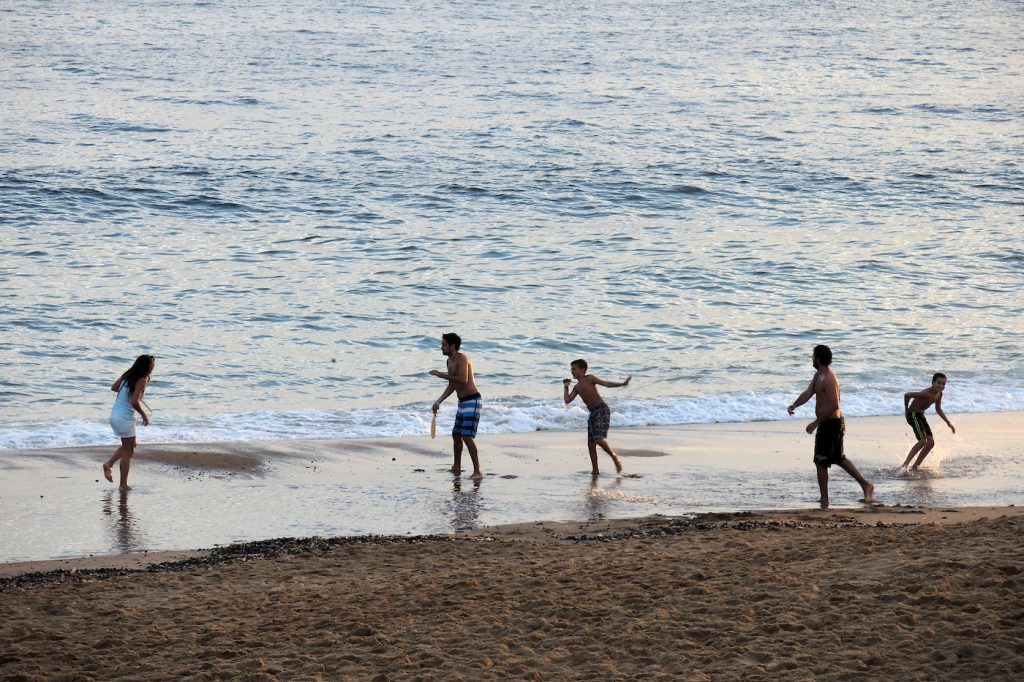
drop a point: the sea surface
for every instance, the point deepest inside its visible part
(289, 203)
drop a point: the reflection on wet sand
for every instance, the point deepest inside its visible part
(922, 491)
(597, 497)
(126, 536)
(464, 508)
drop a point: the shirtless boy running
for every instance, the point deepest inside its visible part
(600, 413)
(914, 405)
(467, 418)
(828, 443)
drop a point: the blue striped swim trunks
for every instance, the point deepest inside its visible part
(467, 417)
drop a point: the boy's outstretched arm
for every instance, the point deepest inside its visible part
(938, 411)
(612, 384)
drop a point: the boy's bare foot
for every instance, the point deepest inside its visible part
(823, 502)
(125, 487)
(595, 472)
(869, 493)
(477, 475)
(618, 466)
(455, 470)
(106, 473)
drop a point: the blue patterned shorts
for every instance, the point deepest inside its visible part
(467, 417)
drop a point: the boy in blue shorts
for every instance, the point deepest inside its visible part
(914, 406)
(600, 413)
(467, 418)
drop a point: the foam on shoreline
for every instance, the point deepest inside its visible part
(502, 415)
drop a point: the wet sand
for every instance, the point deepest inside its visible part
(55, 504)
(895, 593)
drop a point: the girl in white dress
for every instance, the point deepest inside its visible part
(130, 387)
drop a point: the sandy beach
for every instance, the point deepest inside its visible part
(679, 573)
(907, 593)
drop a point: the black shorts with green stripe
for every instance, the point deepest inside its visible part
(919, 424)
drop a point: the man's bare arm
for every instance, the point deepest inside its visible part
(460, 376)
(444, 396)
(803, 398)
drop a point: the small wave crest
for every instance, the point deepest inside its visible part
(506, 415)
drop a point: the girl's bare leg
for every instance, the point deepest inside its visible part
(124, 454)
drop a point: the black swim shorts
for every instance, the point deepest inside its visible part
(919, 424)
(828, 442)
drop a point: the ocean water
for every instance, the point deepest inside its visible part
(288, 203)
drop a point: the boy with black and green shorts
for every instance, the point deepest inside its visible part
(914, 406)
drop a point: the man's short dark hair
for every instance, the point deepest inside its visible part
(582, 364)
(824, 355)
(938, 375)
(452, 339)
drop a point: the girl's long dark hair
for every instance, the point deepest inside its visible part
(142, 368)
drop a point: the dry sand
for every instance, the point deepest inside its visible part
(894, 593)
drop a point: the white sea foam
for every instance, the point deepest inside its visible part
(510, 415)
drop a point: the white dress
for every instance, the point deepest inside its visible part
(122, 416)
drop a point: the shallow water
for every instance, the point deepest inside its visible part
(60, 508)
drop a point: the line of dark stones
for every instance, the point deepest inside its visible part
(277, 547)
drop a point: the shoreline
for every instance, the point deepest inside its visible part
(189, 496)
(237, 451)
